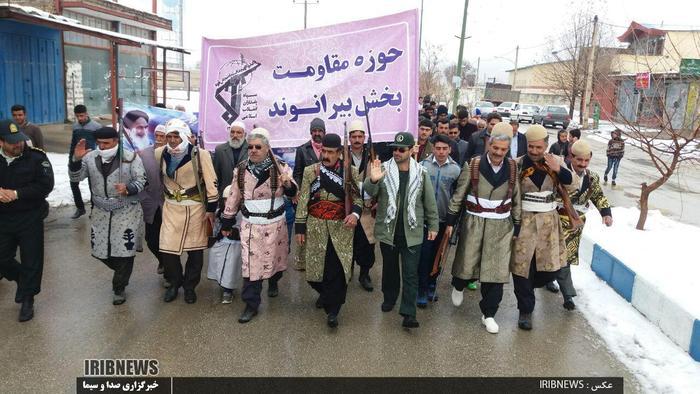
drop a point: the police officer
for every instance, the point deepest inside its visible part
(26, 178)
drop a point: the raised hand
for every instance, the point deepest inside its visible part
(552, 162)
(80, 150)
(376, 173)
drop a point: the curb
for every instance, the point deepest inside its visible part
(674, 321)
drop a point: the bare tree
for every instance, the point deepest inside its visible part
(567, 57)
(468, 74)
(658, 120)
(432, 81)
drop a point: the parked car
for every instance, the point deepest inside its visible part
(525, 112)
(506, 108)
(484, 107)
(552, 115)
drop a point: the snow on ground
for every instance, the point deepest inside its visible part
(602, 134)
(659, 364)
(661, 253)
(61, 194)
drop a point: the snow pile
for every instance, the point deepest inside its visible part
(61, 194)
(661, 253)
(659, 365)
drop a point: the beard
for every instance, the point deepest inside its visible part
(235, 144)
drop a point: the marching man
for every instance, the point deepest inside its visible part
(488, 189)
(325, 229)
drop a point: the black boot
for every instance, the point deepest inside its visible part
(272, 289)
(247, 314)
(569, 304)
(552, 286)
(78, 213)
(26, 312)
(170, 294)
(190, 296)
(332, 320)
(410, 322)
(525, 321)
(366, 282)
(387, 307)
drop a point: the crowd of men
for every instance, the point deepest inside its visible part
(513, 209)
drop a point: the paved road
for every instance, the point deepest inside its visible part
(75, 320)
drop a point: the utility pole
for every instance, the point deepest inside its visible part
(515, 70)
(420, 34)
(459, 60)
(589, 77)
(306, 4)
(476, 78)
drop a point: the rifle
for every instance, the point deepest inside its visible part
(370, 159)
(574, 219)
(347, 171)
(370, 145)
(199, 179)
(446, 243)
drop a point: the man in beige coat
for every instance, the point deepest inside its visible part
(189, 187)
(539, 251)
(488, 189)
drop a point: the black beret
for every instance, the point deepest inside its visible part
(332, 141)
(105, 133)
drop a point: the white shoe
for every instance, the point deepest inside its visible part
(457, 297)
(490, 324)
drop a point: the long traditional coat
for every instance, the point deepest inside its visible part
(484, 246)
(541, 233)
(589, 190)
(113, 233)
(264, 247)
(184, 225)
(318, 230)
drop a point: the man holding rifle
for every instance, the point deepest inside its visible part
(488, 189)
(540, 250)
(328, 211)
(363, 242)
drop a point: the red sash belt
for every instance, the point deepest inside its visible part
(327, 210)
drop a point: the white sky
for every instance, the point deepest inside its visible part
(496, 26)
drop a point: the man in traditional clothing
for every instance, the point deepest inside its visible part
(406, 203)
(539, 251)
(256, 190)
(488, 189)
(189, 187)
(363, 242)
(152, 196)
(323, 226)
(115, 180)
(229, 154)
(589, 190)
(306, 155)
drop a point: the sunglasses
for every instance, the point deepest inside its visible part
(400, 149)
(256, 147)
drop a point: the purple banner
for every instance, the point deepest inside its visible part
(283, 81)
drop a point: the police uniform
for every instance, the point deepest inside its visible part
(30, 177)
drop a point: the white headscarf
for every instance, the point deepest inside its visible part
(238, 144)
(183, 130)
